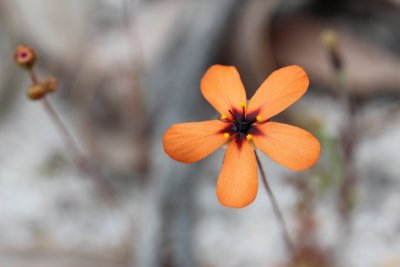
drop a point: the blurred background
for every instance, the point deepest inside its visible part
(127, 70)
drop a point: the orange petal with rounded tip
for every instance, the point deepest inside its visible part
(288, 145)
(238, 183)
(193, 141)
(223, 89)
(281, 89)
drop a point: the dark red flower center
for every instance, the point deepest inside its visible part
(241, 125)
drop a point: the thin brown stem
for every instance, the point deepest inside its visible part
(33, 76)
(70, 143)
(78, 158)
(81, 161)
(137, 66)
(276, 209)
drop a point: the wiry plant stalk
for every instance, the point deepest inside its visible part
(277, 211)
(33, 76)
(69, 141)
(137, 68)
(79, 159)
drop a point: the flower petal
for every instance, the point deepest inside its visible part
(288, 145)
(223, 89)
(281, 89)
(193, 141)
(238, 183)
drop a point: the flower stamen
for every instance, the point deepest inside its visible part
(259, 119)
(223, 117)
(243, 105)
(227, 135)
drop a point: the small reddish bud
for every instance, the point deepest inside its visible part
(50, 84)
(24, 56)
(37, 91)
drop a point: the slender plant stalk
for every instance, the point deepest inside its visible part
(137, 68)
(277, 210)
(78, 158)
(33, 76)
(71, 144)
(349, 143)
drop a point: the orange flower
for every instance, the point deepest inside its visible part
(245, 127)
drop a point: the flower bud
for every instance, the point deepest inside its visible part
(330, 40)
(24, 56)
(50, 84)
(37, 91)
